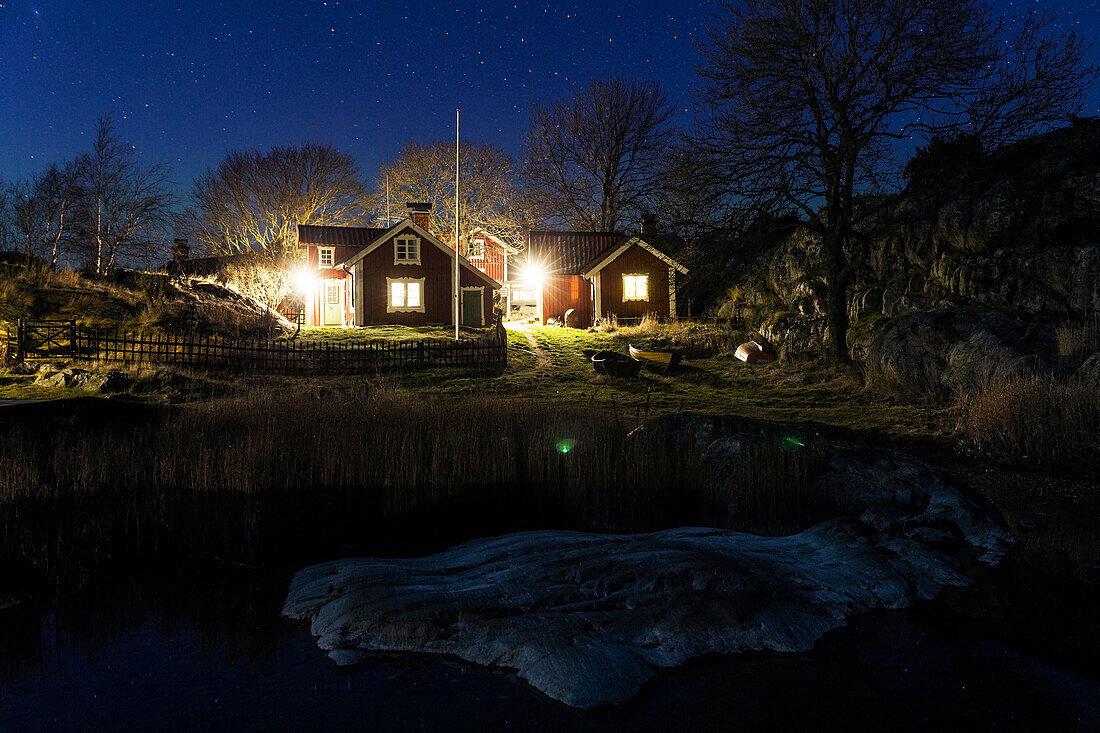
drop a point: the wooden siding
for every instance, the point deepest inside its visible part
(436, 267)
(492, 263)
(562, 292)
(634, 261)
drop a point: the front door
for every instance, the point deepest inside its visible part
(333, 314)
(472, 308)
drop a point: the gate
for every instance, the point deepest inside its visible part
(45, 340)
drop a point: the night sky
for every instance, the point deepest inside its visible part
(192, 81)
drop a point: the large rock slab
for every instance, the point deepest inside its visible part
(588, 619)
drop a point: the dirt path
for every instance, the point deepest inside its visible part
(540, 354)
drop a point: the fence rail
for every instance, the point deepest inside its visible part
(31, 340)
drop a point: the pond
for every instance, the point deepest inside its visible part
(213, 653)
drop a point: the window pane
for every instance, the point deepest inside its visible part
(414, 250)
(397, 295)
(628, 287)
(332, 294)
(414, 295)
(641, 287)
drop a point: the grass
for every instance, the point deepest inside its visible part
(1046, 422)
(288, 478)
(1079, 339)
(384, 333)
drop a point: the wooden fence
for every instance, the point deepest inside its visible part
(276, 356)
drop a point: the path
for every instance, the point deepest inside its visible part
(543, 359)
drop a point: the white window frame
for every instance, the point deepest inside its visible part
(321, 258)
(333, 286)
(391, 308)
(636, 275)
(407, 240)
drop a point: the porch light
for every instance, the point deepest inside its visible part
(302, 281)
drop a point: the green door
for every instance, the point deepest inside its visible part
(472, 311)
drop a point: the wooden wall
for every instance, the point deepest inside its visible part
(436, 267)
(562, 292)
(634, 261)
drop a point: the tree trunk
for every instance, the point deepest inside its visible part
(836, 305)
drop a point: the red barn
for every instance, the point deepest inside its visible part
(599, 275)
(401, 275)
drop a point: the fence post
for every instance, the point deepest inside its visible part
(20, 342)
(74, 345)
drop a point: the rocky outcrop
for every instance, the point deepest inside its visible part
(588, 619)
(1017, 237)
(74, 378)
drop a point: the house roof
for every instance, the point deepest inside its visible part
(567, 253)
(585, 253)
(337, 235)
(384, 235)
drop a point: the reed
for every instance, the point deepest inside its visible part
(280, 478)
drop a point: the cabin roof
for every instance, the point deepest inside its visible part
(566, 253)
(337, 235)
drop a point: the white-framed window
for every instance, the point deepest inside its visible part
(332, 292)
(635, 287)
(326, 257)
(406, 251)
(404, 294)
(477, 248)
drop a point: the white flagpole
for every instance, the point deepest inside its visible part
(458, 287)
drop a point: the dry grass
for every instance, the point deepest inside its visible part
(692, 338)
(1045, 422)
(291, 478)
(1079, 339)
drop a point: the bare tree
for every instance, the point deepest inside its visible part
(42, 210)
(594, 162)
(804, 101)
(488, 192)
(119, 201)
(255, 200)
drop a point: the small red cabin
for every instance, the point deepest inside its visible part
(599, 275)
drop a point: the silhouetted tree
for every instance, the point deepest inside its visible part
(42, 213)
(803, 102)
(256, 200)
(121, 203)
(488, 191)
(594, 162)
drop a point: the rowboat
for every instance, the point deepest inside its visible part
(752, 352)
(662, 361)
(614, 364)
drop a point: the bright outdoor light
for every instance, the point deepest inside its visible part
(302, 281)
(534, 274)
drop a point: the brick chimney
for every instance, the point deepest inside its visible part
(420, 212)
(648, 225)
(180, 251)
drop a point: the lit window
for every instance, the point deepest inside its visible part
(326, 256)
(405, 295)
(406, 251)
(635, 287)
(477, 248)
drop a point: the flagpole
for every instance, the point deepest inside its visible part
(458, 287)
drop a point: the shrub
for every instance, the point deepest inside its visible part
(1051, 423)
(1079, 339)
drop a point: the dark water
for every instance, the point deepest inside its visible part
(212, 653)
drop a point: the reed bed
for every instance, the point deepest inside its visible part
(276, 479)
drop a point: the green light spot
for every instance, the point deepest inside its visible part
(566, 445)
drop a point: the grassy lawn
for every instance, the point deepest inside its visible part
(318, 334)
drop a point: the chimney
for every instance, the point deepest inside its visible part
(648, 225)
(420, 212)
(180, 251)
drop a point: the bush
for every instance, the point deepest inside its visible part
(1079, 339)
(1048, 423)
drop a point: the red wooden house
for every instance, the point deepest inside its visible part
(599, 274)
(401, 274)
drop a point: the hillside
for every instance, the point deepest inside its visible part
(131, 300)
(970, 272)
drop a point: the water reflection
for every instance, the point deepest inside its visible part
(212, 653)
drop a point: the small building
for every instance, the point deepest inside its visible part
(598, 275)
(402, 275)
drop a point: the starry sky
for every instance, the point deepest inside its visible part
(191, 81)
